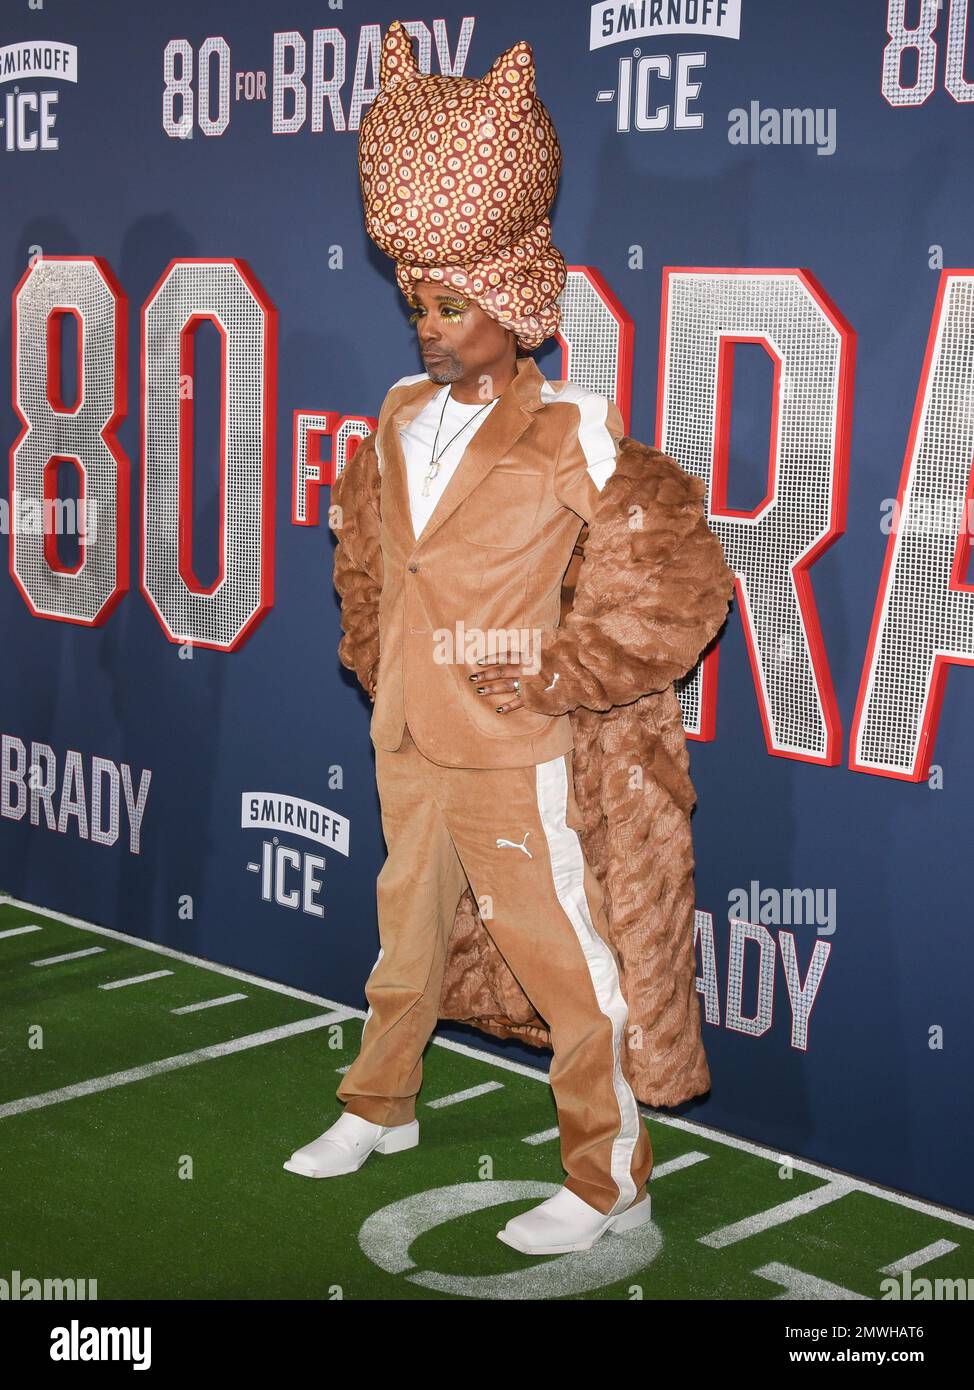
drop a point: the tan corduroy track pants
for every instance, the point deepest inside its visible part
(512, 834)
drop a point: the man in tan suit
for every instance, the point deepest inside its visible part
(475, 786)
(457, 177)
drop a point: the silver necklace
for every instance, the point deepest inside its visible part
(434, 463)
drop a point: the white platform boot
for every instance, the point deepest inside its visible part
(345, 1146)
(565, 1222)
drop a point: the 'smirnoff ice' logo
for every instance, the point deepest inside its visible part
(655, 90)
(614, 21)
(289, 877)
(28, 118)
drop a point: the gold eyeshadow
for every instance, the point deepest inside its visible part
(450, 310)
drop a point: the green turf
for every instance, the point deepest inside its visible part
(91, 1032)
(172, 1186)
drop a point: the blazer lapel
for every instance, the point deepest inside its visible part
(504, 424)
(394, 487)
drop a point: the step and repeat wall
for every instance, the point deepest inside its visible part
(766, 212)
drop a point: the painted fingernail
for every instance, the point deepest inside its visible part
(480, 690)
(500, 709)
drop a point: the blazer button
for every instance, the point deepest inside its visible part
(413, 569)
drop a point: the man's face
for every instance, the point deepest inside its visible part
(456, 338)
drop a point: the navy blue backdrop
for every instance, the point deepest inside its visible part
(873, 209)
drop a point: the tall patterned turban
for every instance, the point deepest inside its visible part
(457, 177)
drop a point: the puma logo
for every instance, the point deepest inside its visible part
(514, 845)
(553, 679)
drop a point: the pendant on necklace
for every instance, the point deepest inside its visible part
(433, 470)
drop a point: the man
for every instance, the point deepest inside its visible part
(475, 787)
(488, 474)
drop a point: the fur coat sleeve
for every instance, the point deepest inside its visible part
(354, 516)
(652, 591)
(645, 593)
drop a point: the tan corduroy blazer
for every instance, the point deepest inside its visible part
(490, 560)
(643, 600)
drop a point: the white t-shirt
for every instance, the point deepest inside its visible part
(417, 446)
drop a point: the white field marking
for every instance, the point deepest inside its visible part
(173, 954)
(926, 1256)
(344, 1012)
(674, 1165)
(70, 955)
(799, 1285)
(136, 979)
(18, 931)
(185, 1059)
(542, 1136)
(777, 1216)
(208, 1004)
(733, 1141)
(817, 1170)
(459, 1096)
(344, 1068)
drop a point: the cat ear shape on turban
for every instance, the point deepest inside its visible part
(398, 61)
(457, 177)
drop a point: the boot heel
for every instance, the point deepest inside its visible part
(401, 1137)
(636, 1215)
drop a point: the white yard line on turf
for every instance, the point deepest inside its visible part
(918, 1258)
(817, 1170)
(542, 1136)
(716, 1136)
(17, 931)
(801, 1286)
(458, 1097)
(198, 961)
(778, 1215)
(208, 1004)
(676, 1165)
(732, 1141)
(70, 955)
(135, 979)
(185, 1059)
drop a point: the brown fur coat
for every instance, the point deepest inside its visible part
(645, 593)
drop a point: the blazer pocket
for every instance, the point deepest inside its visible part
(502, 509)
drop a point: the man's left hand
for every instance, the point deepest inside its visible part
(495, 677)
